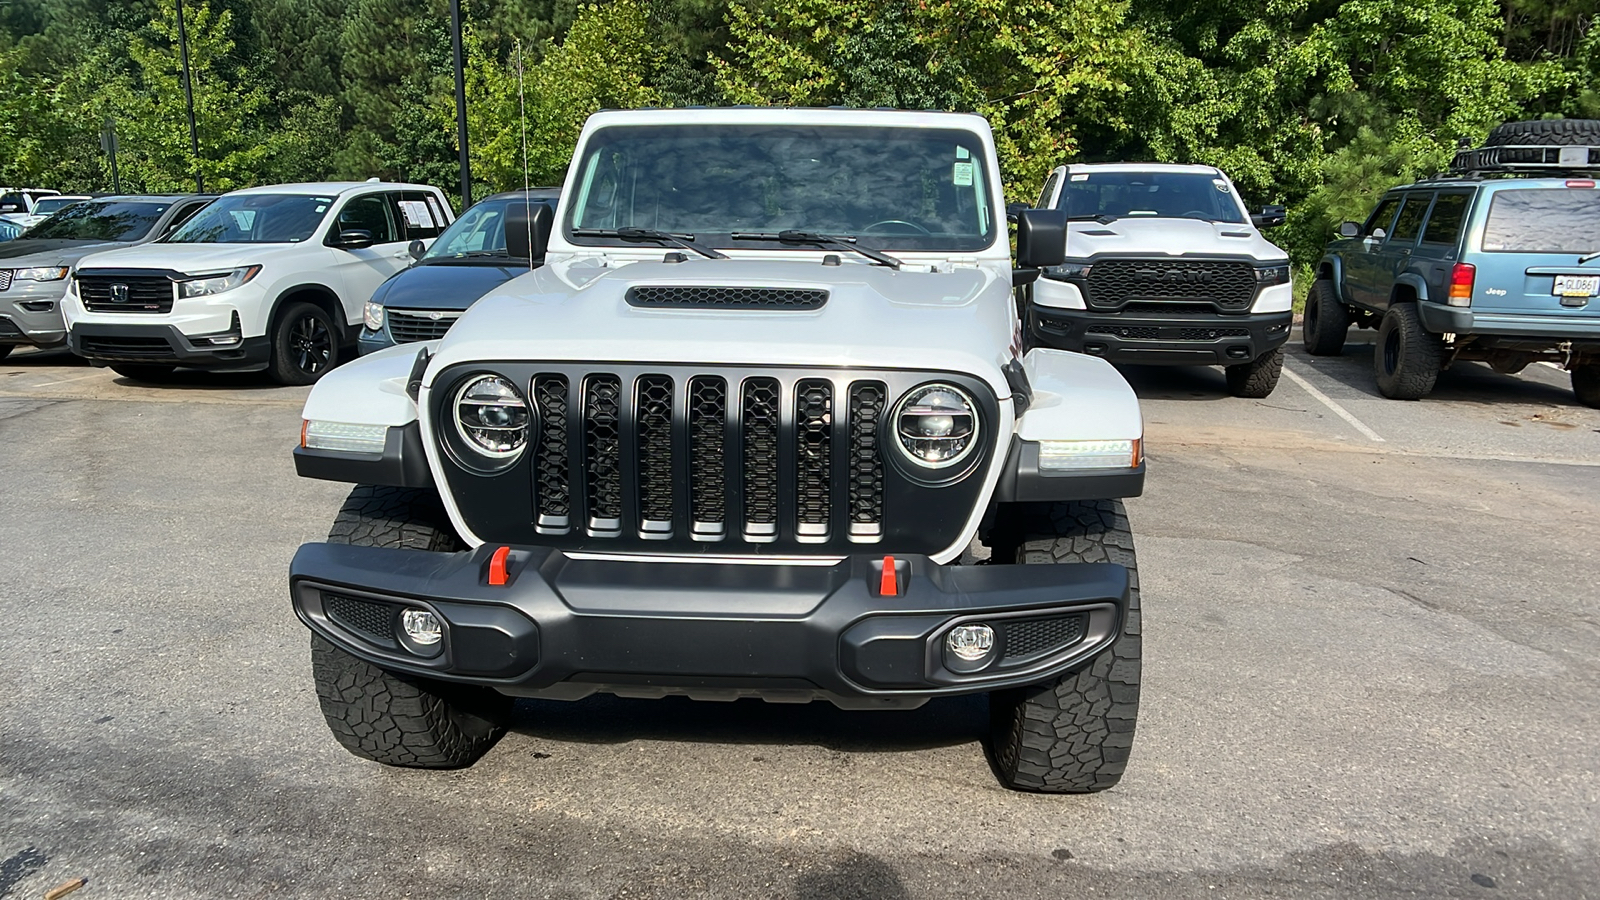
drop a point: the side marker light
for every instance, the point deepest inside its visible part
(497, 567)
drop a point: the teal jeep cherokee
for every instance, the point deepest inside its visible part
(1496, 260)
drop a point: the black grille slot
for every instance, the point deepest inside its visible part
(373, 621)
(1133, 332)
(5, 279)
(758, 435)
(652, 410)
(602, 446)
(1210, 334)
(9, 328)
(706, 297)
(813, 431)
(553, 497)
(1113, 283)
(406, 327)
(130, 294)
(866, 463)
(126, 347)
(708, 419)
(1170, 309)
(1027, 639)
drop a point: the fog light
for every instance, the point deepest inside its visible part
(421, 626)
(970, 643)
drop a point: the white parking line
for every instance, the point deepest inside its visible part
(1327, 401)
(70, 380)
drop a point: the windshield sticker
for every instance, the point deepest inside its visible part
(1084, 177)
(322, 208)
(963, 153)
(417, 213)
(962, 173)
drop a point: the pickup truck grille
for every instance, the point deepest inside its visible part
(1113, 283)
(730, 462)
(408, 326)
(126, 293)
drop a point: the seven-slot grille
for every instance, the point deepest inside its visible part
(5, 279)
(422, 325)
(1112, 283)
(126, 293)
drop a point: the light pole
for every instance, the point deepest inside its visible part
(188, 101)
(461, 103)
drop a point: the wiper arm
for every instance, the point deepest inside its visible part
(1102, 218)
(1588, 256)
(630, 233)
(837, 242)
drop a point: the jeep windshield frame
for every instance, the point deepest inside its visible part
(886, 187)
(1151, 194)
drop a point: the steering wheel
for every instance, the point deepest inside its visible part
(901, 222)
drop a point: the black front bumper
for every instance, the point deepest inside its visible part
(158, 344)
(566, 626)
(1197, 340)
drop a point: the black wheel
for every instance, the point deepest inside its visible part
(1073, 735)
(387, 717)
(139, 372)
(5, 350)
(1586, 384)
(1327, 322)
(1256, 378)
(1407, 357)
(305, 344)
(1558, 132)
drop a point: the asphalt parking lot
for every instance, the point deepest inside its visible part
(1372, 640)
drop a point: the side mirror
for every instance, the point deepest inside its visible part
(354, 239)
(528, 229)
(1013, 210)
(1041, 238)
(416, 249)
(1349, 229)
(1270, 216)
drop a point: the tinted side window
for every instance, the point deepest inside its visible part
(1444, 223)
(416, 217)
(1409, 224)
(369, 213)
(1049, 188)
(1381, 217)
(185, 213)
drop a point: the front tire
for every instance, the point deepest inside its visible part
(1407, 358)
(1586, 384)
(1327, 322)
(388, 717)
(305, 344)
(1073, 735)
(1258, 377)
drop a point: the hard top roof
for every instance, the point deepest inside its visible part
(1144, 167)
(320, 188)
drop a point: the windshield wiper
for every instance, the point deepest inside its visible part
(1102, 218)
(1588, 256)
(837, 242)
(630, 233)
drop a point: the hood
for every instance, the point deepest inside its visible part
(1140, 236)
(444, 285)
(875, 317)
(25, 252)
(190, 259)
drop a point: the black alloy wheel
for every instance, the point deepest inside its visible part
(313, 345)
(304, 345)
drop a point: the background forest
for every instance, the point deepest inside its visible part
(1313, 103)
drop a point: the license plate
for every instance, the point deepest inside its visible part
(1576, 285)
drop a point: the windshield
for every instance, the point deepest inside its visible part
(53, 204)
(255, 219)
(481, 230)
(894, 188)
(1543, 220)
(100, 220)
(1170, 195)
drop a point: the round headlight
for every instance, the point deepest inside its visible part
(491, 417)
(936, 425)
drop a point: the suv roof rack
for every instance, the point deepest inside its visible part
(1531, 159)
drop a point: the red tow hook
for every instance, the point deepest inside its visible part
(498, 573)
(889, 584)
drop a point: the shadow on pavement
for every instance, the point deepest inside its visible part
(1463, 382)
(1176, 382)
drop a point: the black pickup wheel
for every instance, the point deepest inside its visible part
(1327, 322)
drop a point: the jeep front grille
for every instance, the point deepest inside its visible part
(420, 325)
(1114, 282)
(126, 293)
(5, 279)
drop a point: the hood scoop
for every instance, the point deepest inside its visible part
(711, 297)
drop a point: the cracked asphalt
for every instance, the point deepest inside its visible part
(1371, 671)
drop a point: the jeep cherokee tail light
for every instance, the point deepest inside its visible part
(1461, 278)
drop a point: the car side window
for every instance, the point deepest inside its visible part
(1049, 188)
(417, 218)
(369, 213)
(185, 213)
(1381, 218)
(1409, 223)
(1444, 223)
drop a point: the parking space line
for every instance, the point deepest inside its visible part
(68, 380)
(1327, 401)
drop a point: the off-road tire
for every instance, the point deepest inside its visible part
(1073, 735)
(1557, 132)
(1326, 323)
(387, 717)
(305, 344)
(138, 372)
(1586, 384)
(1406, 358)
(1257, 378)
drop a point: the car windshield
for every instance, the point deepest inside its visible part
(481, 231)
(100, 220)
(893, 188)
(1169, 195)
(53, 204)
(1543, 220)
(255, 219)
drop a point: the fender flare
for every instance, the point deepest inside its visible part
(370, 390)
(1415, 282)
(1073, 398)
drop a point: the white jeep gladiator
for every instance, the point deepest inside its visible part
(759, 427)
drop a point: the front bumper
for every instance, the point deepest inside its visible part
(1203, 340)
(30, 313)
(160, 344)
(566, 626)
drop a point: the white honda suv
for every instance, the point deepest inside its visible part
(270, 277)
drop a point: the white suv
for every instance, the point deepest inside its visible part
(271, 277)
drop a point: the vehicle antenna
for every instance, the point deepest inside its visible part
(522, 112)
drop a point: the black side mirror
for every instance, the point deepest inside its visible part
(354, 239)
(1013, 209)
(1041, 238)
(1270, 216)
(416, 249)
(1349, 229)
(528, 229)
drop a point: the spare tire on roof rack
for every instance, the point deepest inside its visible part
(1548, 132)
(1544, 146)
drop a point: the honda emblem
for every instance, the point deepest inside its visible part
(119, 293)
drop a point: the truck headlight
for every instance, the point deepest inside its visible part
(492, 417)
(40, 273)
(936, 425)
(206, 285)
(372, 316)
(1269, 275)
(1056, 456)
